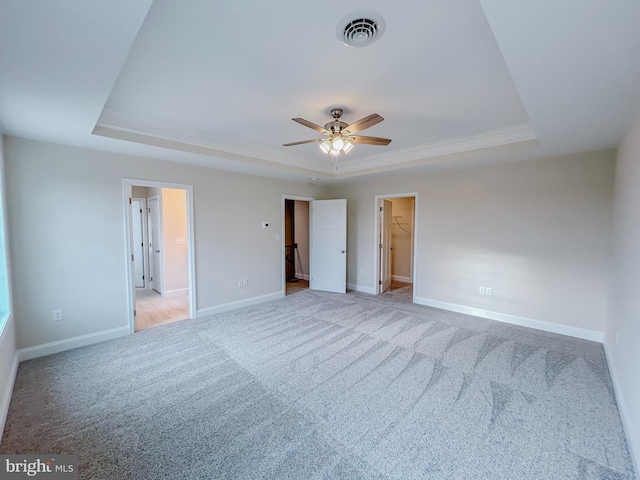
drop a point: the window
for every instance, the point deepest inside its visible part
(4, 280)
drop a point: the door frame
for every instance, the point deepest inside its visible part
(282, 238)
(127, 186)
(145, 240)
(376, 238)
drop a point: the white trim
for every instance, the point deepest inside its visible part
(399, 278)
(361, 288)
(247, 302)
(491, 138)
(175, 293)
(376, 236)
(632, 441)
(130, 127)
(69, 343)
(127, 184)
(302, 276)
(514, 319)
(7, 392)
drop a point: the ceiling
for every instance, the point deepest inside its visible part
(217, 83)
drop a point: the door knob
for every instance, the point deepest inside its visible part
(157, 251)
(341, 251)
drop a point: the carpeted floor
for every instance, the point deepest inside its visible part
(319, 385)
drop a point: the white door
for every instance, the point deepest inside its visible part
(386, 218)
(155, 244)
(138, 242)
(328, 257)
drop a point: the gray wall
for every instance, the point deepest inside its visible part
(622, 336)
(537, 232)
(66, 211)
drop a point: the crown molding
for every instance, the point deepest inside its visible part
(134, 128)
(518, 133)
(146, 131)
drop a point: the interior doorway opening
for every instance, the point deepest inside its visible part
(160, 246)
(395, 245)
(296, 243)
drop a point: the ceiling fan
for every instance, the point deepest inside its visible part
(340, 136)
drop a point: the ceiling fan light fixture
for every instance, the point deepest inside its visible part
(339, 135)
(325, 146)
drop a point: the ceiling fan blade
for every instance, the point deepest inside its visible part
(369, 140)
(309, 124)
(363, 123)
(304, 141)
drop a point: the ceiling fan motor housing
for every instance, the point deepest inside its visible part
(336, 126)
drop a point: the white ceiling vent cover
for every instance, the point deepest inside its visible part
(360, 29)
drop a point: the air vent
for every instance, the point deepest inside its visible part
(360, 29)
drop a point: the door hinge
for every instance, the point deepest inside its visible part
(143, 277)
(379, 245)
(129, 200)
(151, 279)
(132, 257)
(148, 210)
(134, 313)
(381, 209)
(142, 244)
(140, 210)
(379, 282)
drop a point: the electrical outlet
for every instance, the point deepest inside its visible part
(57, 315)
(481, 290)
(488, 291)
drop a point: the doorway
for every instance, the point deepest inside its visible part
(159, 245)
(395, 237)
(296, 244)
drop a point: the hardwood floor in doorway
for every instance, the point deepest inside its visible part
(297, 285)
(152, 309)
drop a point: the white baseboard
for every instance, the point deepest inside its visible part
(69, 343)
(226, 307)
(175, 293)
(302, 276)
(7, 391)
(399, 278)
(361, 288)
(632, 440)
(515, 320)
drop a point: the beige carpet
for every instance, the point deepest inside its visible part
(326, 386)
